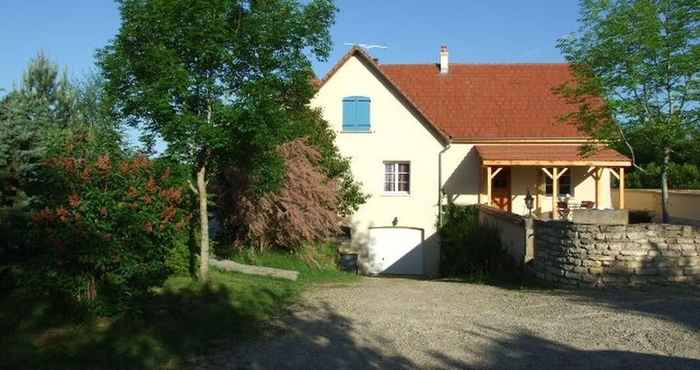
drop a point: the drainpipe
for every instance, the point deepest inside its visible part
(446, 148)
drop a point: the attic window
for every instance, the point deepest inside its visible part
(356, 113)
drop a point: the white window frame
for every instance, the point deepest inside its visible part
(395, 173)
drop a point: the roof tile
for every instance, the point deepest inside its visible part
(483, 101)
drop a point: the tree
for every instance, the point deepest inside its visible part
(42, 103)
(219, 80)
(643, 58)
(304, 210)
(106, 224)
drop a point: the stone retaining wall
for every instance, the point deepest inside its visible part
(569, 254)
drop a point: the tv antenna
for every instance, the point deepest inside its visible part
(367, 46)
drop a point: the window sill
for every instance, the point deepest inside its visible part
(356, 132)
(397, 195)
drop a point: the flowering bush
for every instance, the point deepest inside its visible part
(107, 226)
(304, 210)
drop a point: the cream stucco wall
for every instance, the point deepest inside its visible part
(396, 134)
(683, 205)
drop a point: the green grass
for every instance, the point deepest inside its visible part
(184, 319)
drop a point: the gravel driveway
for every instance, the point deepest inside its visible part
(387, 323)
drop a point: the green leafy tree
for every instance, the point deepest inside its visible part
(643, 58)
(218, 80)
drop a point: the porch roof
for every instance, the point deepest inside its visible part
(548, 155)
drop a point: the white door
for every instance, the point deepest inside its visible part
(395, 250)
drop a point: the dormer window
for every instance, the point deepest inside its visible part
(356, 114)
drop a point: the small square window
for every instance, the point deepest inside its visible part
(565, 187)
(397, 177)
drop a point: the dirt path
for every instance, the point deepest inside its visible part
(412, 324)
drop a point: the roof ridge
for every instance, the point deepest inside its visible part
(480, 64)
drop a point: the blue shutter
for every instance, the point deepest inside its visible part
(356, 113)
(362, 113)
(348, 114)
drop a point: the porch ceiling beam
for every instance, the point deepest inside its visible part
(528, 162)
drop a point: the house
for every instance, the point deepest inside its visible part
(420, 135)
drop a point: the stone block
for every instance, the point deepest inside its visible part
(695, 270)
(590, 279)
(572, 275)
(633, 252)
(626, 258)
(647, 271)
(555, 271)
(679, 279)
(687, 231)
(600, 216)
(591, 263)
(596, 270)
(604, 258)
(688, 262)
(612, 279)
(585, 235)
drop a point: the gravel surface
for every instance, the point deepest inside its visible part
(392, 323)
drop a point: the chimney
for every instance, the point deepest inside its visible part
(444, 60)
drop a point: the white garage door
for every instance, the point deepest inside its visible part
(396, 250)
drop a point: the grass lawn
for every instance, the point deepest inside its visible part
(185, 319)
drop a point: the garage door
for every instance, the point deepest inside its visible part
(395, 250)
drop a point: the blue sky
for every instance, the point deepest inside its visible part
(475, 31)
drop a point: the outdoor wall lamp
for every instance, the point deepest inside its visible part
(529, 202)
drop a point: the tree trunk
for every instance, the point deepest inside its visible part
(203, 223)
(664, 186)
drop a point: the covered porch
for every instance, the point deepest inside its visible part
(557, 177)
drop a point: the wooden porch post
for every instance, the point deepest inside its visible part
(596, 173)
(490, 175)
(621, 191)
(488, 185)
(622, 188)
(481, 185)
(555, 175)
(555, 193)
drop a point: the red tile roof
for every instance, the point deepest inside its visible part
(522, 153)
(488, 101)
